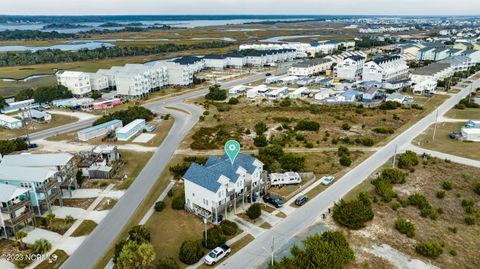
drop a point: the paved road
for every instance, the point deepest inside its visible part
(254, 254)
(93, 248)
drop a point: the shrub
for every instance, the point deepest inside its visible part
(260, 141)
(345, 161)
(383, 130)
(384, 188)
(453, 229)
(346, 126)
(178, 202)
(126, 116)
(395, 206)
(139, 234)
(447, 185)
(405, 227)
(407, 160)
(254, 211)
(476, 189)
(343, 151)
(260, 128)
(41, 246)
(440, 194)
(394, 176)
(389, 105)
(327, 250)
(429, 249)
(469, 220)
(159, 206)
(453, 252)
(191, 251)
(22, 259)
(215, 93)
(422, 204)
(305, 125)
(353, 214)
(167, 263)
(233, 101)
(215, 237)
(366, 141)
(229, 228)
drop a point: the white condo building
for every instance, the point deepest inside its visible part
(310, 67)
(385, 69)
(77, 82)
(433, 71)
(351, 68)
(98, 82)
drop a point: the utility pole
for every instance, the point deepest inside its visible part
(28, 113)
(435, 126)
(205, 222)
(394, 156)
(273, 249)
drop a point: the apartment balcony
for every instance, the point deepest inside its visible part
(25, 216)
(15, 207)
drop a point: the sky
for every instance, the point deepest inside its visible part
(167, 7)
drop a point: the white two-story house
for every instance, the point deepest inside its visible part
(218, 185)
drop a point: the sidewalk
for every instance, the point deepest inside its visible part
(66, 242)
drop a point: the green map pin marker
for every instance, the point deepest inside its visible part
(232, 148)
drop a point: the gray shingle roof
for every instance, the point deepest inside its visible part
(207, 175)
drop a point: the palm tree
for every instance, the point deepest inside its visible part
(69, 219)
(41, 246)
(50, 218)
(19, 236)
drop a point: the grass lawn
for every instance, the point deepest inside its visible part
(443, 143)
(57, 120)
(10, 88)
(244, 217)
(61, 258)
(160, 133)
(170, 228)
(265, 225)
(427, 180)
(134, 163)
(467, 113)
(85, 228)
(267, 208)
(281, 215)
(106, 204)
(59, 226)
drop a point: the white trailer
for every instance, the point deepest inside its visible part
(287, 178)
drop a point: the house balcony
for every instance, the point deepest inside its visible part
(12, 208)
(25, 216)
(48, 186)
(51, 197)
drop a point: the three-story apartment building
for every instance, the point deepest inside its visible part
(385, 69)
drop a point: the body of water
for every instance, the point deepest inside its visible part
(277, 39)
(183, 23)
(68, 46)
